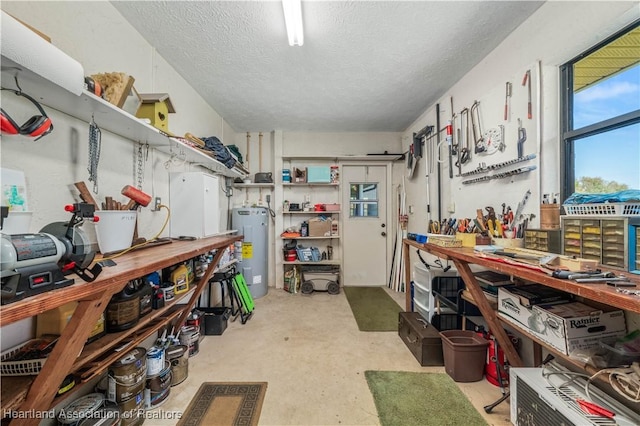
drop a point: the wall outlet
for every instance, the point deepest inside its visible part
(452, 207)
(157, 203)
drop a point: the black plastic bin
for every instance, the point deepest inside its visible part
(215, 320)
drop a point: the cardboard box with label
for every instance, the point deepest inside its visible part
(319, 227)
(563, 326)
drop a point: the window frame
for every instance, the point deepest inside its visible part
(569, 135)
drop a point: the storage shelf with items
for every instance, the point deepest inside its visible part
(607, 239)
(518, 311)
(38, 392)
(70, 98)
(542, 240)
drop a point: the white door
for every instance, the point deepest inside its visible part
(365, 227)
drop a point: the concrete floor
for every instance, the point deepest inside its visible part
(311, 353)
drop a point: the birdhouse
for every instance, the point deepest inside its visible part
(156, 107)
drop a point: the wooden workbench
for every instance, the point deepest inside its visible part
(36, 393)
(463, 257)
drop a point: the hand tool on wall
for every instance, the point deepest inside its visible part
(522, 137)
(478, 139)
(506, 100)
(465, 152)
(521, 205)
(95, 141)
(450, 143)
(526, 80)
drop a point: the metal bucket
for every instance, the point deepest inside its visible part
(126, 376)
(80, 409)
(133, 410)
(178, 356)
(158, 387)
(190, 336)
(107, 416)
(155, 361)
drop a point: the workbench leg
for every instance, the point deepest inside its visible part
(488, 313)
(186, 310)
(61, 359)
(407, 276)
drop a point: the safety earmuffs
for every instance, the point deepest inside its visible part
(37, 126)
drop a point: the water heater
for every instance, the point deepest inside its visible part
(253, 223)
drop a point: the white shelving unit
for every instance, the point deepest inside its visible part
(107, 116)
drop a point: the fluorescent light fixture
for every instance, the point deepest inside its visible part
(293, 19)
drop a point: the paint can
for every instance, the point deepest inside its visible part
(155, 360)
(123, 310)
(133, 410)
(190, 336)
(178, 356)
(126, 374)
(158, 387)
(106, 416)
(117, 392)
(80, 409)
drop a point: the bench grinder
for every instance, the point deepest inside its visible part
(34, 263)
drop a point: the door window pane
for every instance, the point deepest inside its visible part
(363, 200)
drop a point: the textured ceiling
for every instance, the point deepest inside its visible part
(365, 66)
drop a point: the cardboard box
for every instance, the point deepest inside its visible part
(319, 228)
(577, 325)
(563, 326)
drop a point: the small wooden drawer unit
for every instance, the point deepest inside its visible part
(543, 240)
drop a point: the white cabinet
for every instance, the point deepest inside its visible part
(195, 204)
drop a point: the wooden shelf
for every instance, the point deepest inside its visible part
(320, 262)
(336, 158)
(37, 392)
(108, 117)
(313, 212)
(332, 237)
(253, 185)
(310, 184)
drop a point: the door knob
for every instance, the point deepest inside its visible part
(383, 225)
(384, 234)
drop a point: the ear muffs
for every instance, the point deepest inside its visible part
(37, 126)
(7, 124)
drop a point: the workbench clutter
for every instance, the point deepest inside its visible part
(115, 87)
(61, 248)
(553, 317)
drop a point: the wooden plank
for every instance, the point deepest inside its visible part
(488, 314)
(201, 285)
(407, 274)
(59, 362)
(113, 279)
(599, 292)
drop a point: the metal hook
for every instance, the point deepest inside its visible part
(15, 77)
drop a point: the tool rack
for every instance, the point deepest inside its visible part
(37, 393)
(464, 257)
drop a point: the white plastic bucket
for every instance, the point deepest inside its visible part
(17, 223)
(115, 229)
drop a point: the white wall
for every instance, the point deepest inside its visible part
(556, 33)
(97, 36)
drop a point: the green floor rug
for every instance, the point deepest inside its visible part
(373, 308)
(420, 399)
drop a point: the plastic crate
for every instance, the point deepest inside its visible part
(448, 287)
(602, 209)
(27, 367)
